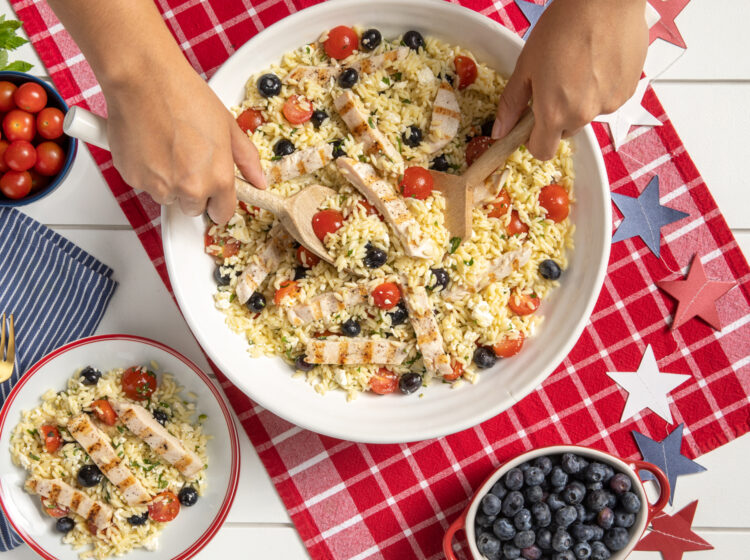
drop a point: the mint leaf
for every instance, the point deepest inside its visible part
(18, 66)
(3, 58)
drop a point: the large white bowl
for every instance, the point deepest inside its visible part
(442, 410)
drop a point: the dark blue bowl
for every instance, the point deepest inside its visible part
(68, 144)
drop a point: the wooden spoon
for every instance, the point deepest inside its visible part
(458, 189)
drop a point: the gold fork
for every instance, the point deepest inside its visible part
(6, 365)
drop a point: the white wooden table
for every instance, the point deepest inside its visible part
(706, 95)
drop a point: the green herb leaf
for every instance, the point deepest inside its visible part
(275, 158)
(455, 242)
(386, 81)
(362, 158)
(396, 76)
(19, 66)
(407, 101)
(202, 417)
(369, 121)
(469, 262)
(32, 456)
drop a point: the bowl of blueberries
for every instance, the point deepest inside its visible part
(559, 503)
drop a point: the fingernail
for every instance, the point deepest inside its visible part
(497, 128)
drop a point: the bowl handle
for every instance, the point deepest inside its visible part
(456, 526)
(664, 492)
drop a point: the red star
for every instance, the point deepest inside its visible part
(696, 295)
(666, 28)
(672, 534)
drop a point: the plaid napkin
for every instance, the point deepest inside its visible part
(57, 293)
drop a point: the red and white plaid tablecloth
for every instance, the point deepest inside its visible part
(359, 501)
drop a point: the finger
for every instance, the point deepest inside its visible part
(544, 140)
(568, 133)
(513, 101)
(223, 202)
(192, 206)
(246, 157)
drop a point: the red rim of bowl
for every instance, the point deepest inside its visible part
(234, 474)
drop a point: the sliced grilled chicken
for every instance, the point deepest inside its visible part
(346, 351)
(379, 61)
(487, 191)
(446, 118)
(140, 421)
(325, 305)
(267, 259)
(429, 339)
(298, 163)
(499, 268)
(324, 74)
(383, 196)
(76, 501)
(358, 120)
(97, 445)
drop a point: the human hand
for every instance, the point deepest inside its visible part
(582, 59)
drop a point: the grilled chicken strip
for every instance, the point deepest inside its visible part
(446, 118)
(76, 501)
(498, 269)
(97, 445)
(358, 120)
(140, 421)
(345, 351)
(298, 163)
(267, 259)
(324, 74)
(429, 339)
(325, 305)
(378, 61)
(383, 196)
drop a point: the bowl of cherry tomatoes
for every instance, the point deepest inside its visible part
(35, 155)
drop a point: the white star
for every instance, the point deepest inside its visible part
(631, 113)
(647, 387)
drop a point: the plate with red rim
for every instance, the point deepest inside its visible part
(194, 526)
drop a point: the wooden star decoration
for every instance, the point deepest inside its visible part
(672, 535)
(696, 295)
(666, 28)
(531, 12)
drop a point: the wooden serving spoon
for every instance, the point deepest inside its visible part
(458, 190)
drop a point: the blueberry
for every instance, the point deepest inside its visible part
(412, 136)
(595, 472)
(514, 479)
(591, 486)
(574, 493)
(89, 475)
(188, 496)
(221, 278)
(534, 476)
(524, 467)
(511, 551)
(65, 524)
(269, 85)
(589, 516)
(582, 532)
(413, 40)
(338, 151)
(440, 163)
(409, 382)
(398, 315)
(580, 512)
(499, 489)
(624, 519)
(597, 500)
(484, 357)
(503, 529)
(524, 539)
(491, 504)
(302, 365)
(599, 551)
(522, 521)
(544, 538)
(348, 78)
(160, 416)
(441, 279)
(300, 272)
(544, 463)
(370, 40)
(549, 269)
(534, 494)
(90, 375)
(608, 473)
(555, 502)
(570, 463)
(532, 552)
(630, 502)
(566, 516)
(513, 503)
(283, 147)
(318, 116)
(374, 257)
(256, 303)
(564, 555)
(582, 550)
(605, 518)
(484, 520)
(616, 538)
(542, 514)
(488, 545)
(561, 541)
(598, 533)
(350, 327)
(558, 477)
(612, 501)
(136, 520)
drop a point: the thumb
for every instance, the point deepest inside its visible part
(246, 157)
(513, 101)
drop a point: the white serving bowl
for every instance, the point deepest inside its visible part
(442, 410)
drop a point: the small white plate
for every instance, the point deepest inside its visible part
(194, 526)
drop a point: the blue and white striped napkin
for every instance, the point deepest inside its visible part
(57, 293)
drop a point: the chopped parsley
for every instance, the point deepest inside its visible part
(33, 432)
(407, 101)
(202, 418)
(32, 456)
(396, 76)
(455, 242)
(275, 158)
(369, 121)
(363, 158)
(469, 262)
(121, 429)
(386, 80)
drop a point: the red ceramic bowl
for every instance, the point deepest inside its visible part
(465, 521)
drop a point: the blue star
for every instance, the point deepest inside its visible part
(666, 455)
(532, 12)
(644, 216)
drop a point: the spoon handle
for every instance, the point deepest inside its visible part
(256, 197)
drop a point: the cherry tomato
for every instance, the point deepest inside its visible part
(476, 147)
(52, 509)
(104, 412)
(417, 183)
(297, 110)
(370, 210)
(499, 207)
(38, 182)
(164, 507)
(288, 288)
(50, 158)
(51, 437)
(458, 371)
(387, 295)
(221, 248)
(307, 258)
(49, 123)
(7, 90)
(19, 125)
(250, 119)
(138, 383)
(323, 335)
(509, 346)
(341, 42)
(384, 382)
(555, 200)
(466, 69)
(20, 155)
(3, 146)
(327, 221)
(15, 184)
(249, 209)
(516, 226)
(523, 304)
(30, 97)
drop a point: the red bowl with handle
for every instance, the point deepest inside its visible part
(465, 521)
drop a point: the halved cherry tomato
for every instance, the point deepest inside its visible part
(297, 109)
(51, 437)
(466, 69)
(509, 346)
(555, 200)
(19, 125)
(523, 304)
(387, 295)
(341, 42)
(458, 371)
(288, 288)
(384, 382)
(7, 90)
(50, 158)
(164, 507)
(49, 122)
(516, 226)
(417, 183)
(221, 248)
(52, 509)
(138, 383)
(21, 155)
(499, 207)
(250, 119)
(104, 412)
(307, 258)
(476, 147)
(249, 209)
(327, 221)
(15, 184)
(30, 97)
